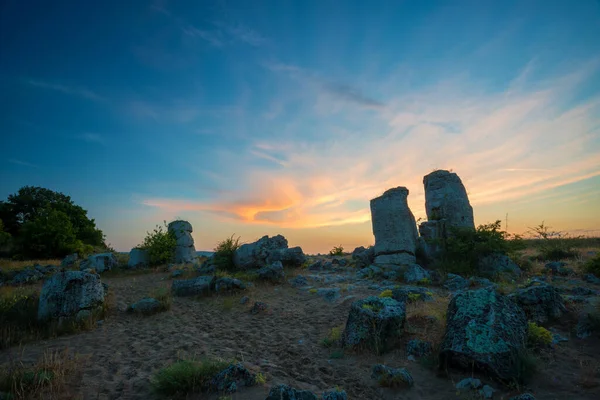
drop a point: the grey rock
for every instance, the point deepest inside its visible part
(99, 262)
(468, 384)
(228, 285)
(588, 323)
(432, 236)
(487, 392)
(177, 273)
(418, 348)
(258, 307)
(477, 282)
(146, 306)
(285, 392)
(591, 278)
(415, 273)
(244, 300)
(329, 294)
(185, 252)
(292, 257)
(335, 395)
(69, 260)
(446, 198)
(375, 323)
(254, 255)
(541, 303)
(298, 281)
(485, 331)
(411, 294)
(387, 376)
(524, 396)
(394, 228)
(138, 258)
(273, 273)
(66, 294)
(26, 276)
(228, 380)
(498, 266)
(199, 286)
(558, 268)
(363, 257)
(455, 283)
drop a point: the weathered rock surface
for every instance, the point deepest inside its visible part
(69, 260)
(431, 238)
(418, 348)
(228, 285)
(414, 273)
(388, 376)
(145, 306)
(455, 283)
(484, 330)
(228, 380)
(495, 266)
(540, 302)
(375, 323)
(363, 257)
(411, 294)
(99, 262)
(285, 392)
(138, 258)
(335, 395)
(292, 257)
(446, 198)
(70, 294)
(394, 228)
(199, 286)
(273, 272)
(254, 255)
(185, 252)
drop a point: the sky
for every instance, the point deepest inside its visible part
(263, 117)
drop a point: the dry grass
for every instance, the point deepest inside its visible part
(49, 378)
(426, 320)
(7, 264)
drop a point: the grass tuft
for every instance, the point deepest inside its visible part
(187, 376)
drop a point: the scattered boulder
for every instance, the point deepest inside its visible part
(99, 262)
(524, 396)
(591, 278)
(145, 306)
(394, 228)
(558, 268)
(299, 281)
(292, 257)
(321, 265)
(446, 198)
(484, 330)
(387, 376)
(228, 380)
(258, 307)
(418, 348)
(244, 300)
(335, 395)
(541, 302)
(185, 252)
(468, 384)
(254, 255)
(70, 294)
(496, 266)
(138, 258)
(26, 276)
(329, 294)
(375, 323)
(415, 273)
(411, 294)
(69, 260)
(477, 282)
(455, 283)
(199, 286)
(342, 262)
(588, 323)
(285, 392)
(363, 257)
(273, 273)
(487, 392)
(228, 285)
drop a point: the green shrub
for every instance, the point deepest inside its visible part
(187, 376)
(223, 256)
(334, 336)
(553, 245)
(538, 335)
(386, 293)
(592, 265)
(164, 297)
(337, 251)
(160, 245)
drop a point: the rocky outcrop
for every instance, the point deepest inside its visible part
(199, 286)
(292, 257)
(266, 251)
(138, 258)
(185, 252)
(229, 285)
(540, 302)
(273, 272)
(391, 377)
(375, 323)
(285, 392)
(485, 331)
(394, 228)
(232, 377)
(495, 266)
(446, 198)
(363, 257)
(99, 263)
(69, 260)
(146, 306)
(70, 295)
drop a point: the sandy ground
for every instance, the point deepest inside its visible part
(283, 343)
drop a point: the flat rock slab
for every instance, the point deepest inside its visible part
(199, 286)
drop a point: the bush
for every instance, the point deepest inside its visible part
(592, 265)
(553, 245)
(335, 335)
(50, 233)
(337, 251)
(538, 335)
(186, 376)
(223, 256)
(160, 245)
(386, 293)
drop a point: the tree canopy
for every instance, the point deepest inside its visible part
(45, 223)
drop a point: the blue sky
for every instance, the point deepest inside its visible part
(287, 117)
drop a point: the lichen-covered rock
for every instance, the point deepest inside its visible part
(254, 255)
(258, 307)
(415, 273)
(285, 392)
(418, 348)
(69, 260)
(363, 257)
(26, 276)
(558, 268)
(199, 286)
(486, 331)
(185, 252)
(145, 306)
(244, 300)
(321, 265)
(375, 323)
(411, 294)
(477, 282)
(138, 258)
(299, 281)
(455, 283)
(588, 323)
(468, 384)
(394, 228)
(228, 380)
(496, 266)
(228, 285)
(524, 396)
(591, 278)
(67, 294)
(292, 257)
(387, 376)
(273, 272)
(486, 392)
(541, 302)
(335, 395)
(431, 237)
(99, 262)
(446, 198)
(329, 294)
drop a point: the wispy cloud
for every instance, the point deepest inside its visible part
(93, 138)
(70, 90)
(242, 33)
(506, 146)
(215, 37)
(23, 163)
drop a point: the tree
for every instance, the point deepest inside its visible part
(49, 234)
(4, 236)
(160, 245)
